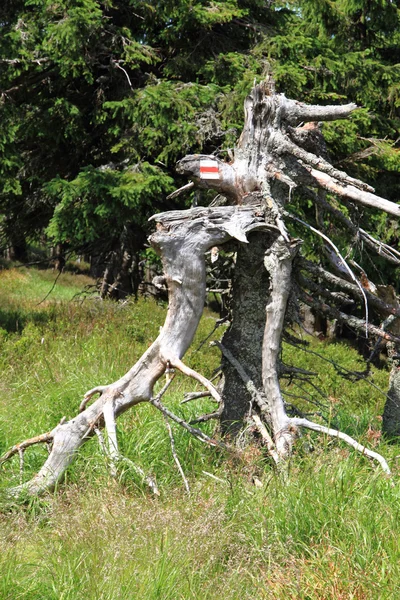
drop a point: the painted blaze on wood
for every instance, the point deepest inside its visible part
(209, 169)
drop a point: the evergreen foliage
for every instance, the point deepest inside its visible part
(100, 98)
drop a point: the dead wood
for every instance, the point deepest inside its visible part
(275, 156)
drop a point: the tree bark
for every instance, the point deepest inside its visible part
(244, 338)
(121, 274)
(391, 413)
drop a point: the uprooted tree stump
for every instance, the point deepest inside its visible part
(280, 152)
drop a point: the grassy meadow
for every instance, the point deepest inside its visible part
(331, 531)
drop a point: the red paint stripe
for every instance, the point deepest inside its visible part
(208, 169)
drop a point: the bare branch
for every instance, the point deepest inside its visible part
(17, 61)
(390, 254)
(353, 277)
(373, 300)
(296, 112)
(284, 146)
(351, 192)
(181, 190)
(352, 321)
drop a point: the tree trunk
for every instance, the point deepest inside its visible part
(244, 338)
(391, 413)
(121, 274)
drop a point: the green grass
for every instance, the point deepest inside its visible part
(330, 532)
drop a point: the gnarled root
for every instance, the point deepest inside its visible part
(182, 238)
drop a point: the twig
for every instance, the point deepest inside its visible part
(51, 289)
(342, 436)
(200, 435)
(174, 454)
(342, 371)
(214, 477)
(218, 323)
(181, 190)
(116, 63)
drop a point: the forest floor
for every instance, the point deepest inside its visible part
(330, 531)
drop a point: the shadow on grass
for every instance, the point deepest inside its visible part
(14, 320)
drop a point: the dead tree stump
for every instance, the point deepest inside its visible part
(276, 156)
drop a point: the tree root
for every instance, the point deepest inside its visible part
(189, 396)
(88, 395)
(198, 377)
(298, 422)
(174, 454)
(269, 155)
(294, 422)
(44, 438)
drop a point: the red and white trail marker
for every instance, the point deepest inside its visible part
(209, 169)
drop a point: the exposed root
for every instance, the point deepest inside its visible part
(189, 396)
(298, 422)
(176, 362)
(122, 459)
(200, 435)
(174, 454)
(44, 438)
(96, 390)
(111, 429)
(207, 417)
(267, 438)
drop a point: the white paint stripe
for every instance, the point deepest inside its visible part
(207, 162)
(209, 175)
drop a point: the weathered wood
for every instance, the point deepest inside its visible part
(274, 156)
(278, 262)
(182, 238)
